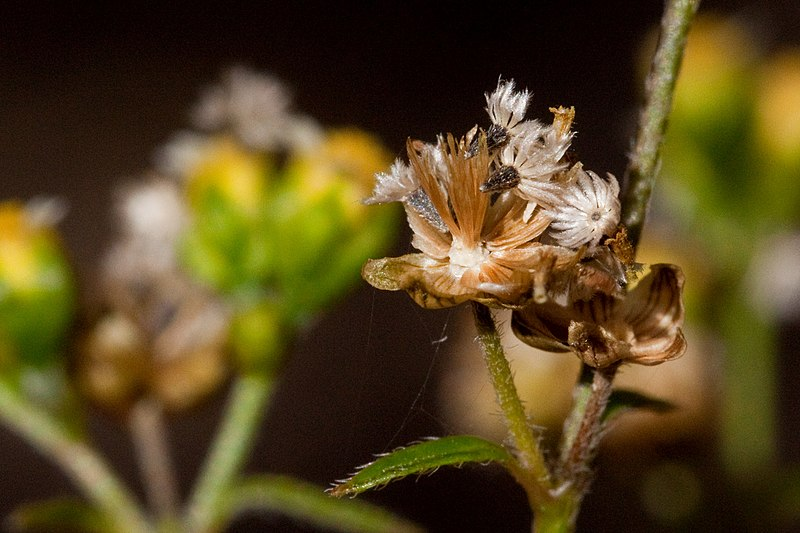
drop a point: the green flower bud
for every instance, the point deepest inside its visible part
(36, 288)
(321, 230)
(37, 304)
(715, 83)
(777, 133)
(226, 192)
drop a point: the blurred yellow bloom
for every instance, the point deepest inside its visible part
(229, 170)
(36, 287)
(714, 69)
(18, 259)
(778, 107)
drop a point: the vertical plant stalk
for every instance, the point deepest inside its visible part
(580, 398)
(87, 470)
(583, 429)
(644, 161)
(149, 433)
(530, 454)
(233, 442)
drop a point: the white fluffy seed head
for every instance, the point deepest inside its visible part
(588, 209)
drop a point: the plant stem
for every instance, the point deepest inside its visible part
(583, 428)
(82, 464)
(644, 161)
(558, 515)
(529, 453)
(308, 504)
(580, 400)
(233, 442)
(149, 435)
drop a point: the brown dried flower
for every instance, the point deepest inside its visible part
(478, 209)
(160, 334)
(642, 326)
(474, 246)
(500, 217)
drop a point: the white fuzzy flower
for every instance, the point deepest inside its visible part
(256, 108)
(531, 158)
(773, 277)
(181, 154)
(153, 211)
(536, 154)
(589, 209)
(394, 186)
(43, 212)
(153, 218)
(507, 107)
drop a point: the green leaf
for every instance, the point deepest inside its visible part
(421, 458)
(310, 504)
(623, 400)
(63, 514)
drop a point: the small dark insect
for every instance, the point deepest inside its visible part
(496, 137)
(502, 179)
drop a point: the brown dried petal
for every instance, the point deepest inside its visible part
(643, 327)
(531, 330)
(654, 309)
(427, 281)
(595, 345)
(432, 285)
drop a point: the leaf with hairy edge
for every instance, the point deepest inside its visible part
(421, 458)
(63, 514)
(623, 400)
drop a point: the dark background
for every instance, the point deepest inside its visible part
(87, 95)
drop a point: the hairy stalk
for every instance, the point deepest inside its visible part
(233, 442)
(87, 470)
(583, 428)
(580, 400)
(643, 165)
(149, 434)
(529, 453)
(581, 441)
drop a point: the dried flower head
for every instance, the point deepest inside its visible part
(474, 247)
(642, 326)
(502, 218)
(588, 209)
(164, 338)
(482, 209)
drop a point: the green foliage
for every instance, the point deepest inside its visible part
(622, 400)
(421, 458)
(731, 162)
(731, 155)
(36, 292)
(283, 242)
(64, 515)
(307, 503)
